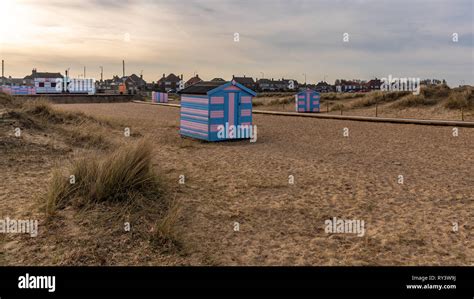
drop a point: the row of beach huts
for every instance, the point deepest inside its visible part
(210, 108)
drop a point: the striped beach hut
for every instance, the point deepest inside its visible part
(211, 108)
(18, 90)
(159, 97)
(307, 100)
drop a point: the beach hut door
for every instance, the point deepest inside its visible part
(233, 108)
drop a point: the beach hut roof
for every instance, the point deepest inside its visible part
(202, 87)
(306, 90)
(207, 87)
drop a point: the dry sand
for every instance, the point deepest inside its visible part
(351, 177)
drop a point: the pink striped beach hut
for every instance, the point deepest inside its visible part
(209, 106)
(307, 100)
(18, 90)
(159, 97)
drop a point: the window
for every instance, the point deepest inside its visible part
(41, 84)
(53, 84)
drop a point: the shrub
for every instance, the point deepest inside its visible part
(435, 92)
(337, 107)
(126, 171)
(7, 101)
(412, 100)
(282, 101)
(86, 136)
(42, 109)
(378, 97)
(165, 234)
(328, 96)
(458, 100)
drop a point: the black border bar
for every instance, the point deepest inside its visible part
(238, 282)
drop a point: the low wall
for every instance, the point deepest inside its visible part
(83, 98)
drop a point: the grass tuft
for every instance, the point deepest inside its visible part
(113, 178)
(379, 97)
(165, 234)
(337, 107)
(460, 100)
(412, 100)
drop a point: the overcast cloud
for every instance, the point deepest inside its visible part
(278, 38)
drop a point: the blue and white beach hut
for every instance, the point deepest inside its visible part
(209, 107)
(307, 100)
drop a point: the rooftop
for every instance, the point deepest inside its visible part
(202, 87)
(43, 75)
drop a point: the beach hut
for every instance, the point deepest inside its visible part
(159, 97)
(307, 100)
(18, 90)
(215, 111)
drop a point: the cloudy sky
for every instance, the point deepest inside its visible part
(287, 38)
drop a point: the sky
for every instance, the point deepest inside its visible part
(294, 39)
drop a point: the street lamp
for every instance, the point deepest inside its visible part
(66, 80)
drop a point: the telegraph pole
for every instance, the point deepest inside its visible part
(123, 68)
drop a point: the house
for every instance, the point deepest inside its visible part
(323, 86)
(277, 85)
(109, 85)
(265, 85)
(170, 82)
(13, 81)
(307, 100)
(136, 82)
(289, 84)
(270, 85)
(44, 82)
(350, 85)
(133, 83)
(246, 81)
(429, 82)
(214, 110)
(280, 85)
(192, 81)
(374, 84)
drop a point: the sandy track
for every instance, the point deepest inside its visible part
(351, 177)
